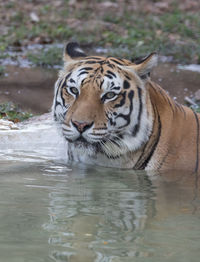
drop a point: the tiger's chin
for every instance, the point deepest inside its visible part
(83, 144)
(79, 140)
(109, 147)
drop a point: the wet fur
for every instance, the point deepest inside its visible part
(142, 128)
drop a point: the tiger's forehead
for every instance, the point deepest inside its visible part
(104, 73)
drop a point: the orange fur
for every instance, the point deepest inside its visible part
(164, 134)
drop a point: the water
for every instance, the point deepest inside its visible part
(192, 67)
(53, 211)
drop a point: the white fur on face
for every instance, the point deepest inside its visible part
(127, 141)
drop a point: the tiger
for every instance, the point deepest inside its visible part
(112, 114)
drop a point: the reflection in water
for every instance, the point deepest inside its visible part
(92, 214)
(100, 215)
(113, 215)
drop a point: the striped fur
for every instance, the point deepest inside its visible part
(112, 114)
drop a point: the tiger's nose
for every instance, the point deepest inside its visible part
(82, 126)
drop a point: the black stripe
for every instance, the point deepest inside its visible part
(143, 166)
(117, 62)
(71, 80)
(144, 76)
(100, 128)
(126, 84)
(137, 126)
(122, 101)
(101, 84)
(127, 77)
(61, 87)
(127, 117)
(112, 123)
(112, 157)
(82, 73)
(181, 109)
(116, 88)
(112, 85)
(94, 62)
(109, 76)
(86, 68)
(110, 65)
(168, 99)
(61, 95)
(197, 141)
(111, 73)
(58, 87)
(57, 103)
(67, 77)
(143, 159)
(171, 105)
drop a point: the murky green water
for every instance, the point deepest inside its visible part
(53, 212)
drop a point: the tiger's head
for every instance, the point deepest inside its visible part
(101, 102)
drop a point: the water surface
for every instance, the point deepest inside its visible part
(53, 211)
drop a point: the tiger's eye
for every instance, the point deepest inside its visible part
(109, 95)
(74, 90)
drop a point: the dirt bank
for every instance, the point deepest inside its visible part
(32, 88)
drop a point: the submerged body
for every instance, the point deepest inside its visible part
(112, 114)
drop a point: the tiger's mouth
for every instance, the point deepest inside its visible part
(109, 144)
(83, 140)
(81, 143)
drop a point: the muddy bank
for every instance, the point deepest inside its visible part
(179, 83)
(32, 88)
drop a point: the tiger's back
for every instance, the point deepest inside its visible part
(112, 114)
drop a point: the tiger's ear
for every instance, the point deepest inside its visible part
(73, 52)
(144, 66)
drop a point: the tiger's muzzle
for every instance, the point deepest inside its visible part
(81, 126)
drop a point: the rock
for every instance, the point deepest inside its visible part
(197, 95)
(108, 5)
(162, 6)
(190, 102)
(34, 17)
(7, 125)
